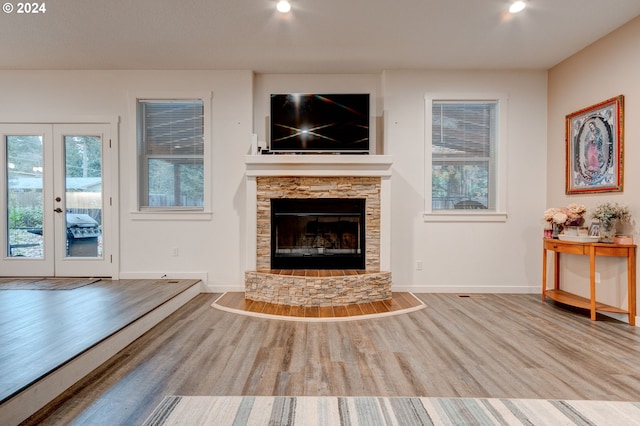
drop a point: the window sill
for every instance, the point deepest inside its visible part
(171, 215)
(464, 216)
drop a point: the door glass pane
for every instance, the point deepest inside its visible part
(24, 196)
(83, 180)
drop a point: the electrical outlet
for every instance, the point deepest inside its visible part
(597, 277)
(174, 251)
(419, 265)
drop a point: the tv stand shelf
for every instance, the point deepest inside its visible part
(592, 250)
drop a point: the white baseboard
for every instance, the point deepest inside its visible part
(150, 275)
(207, 287)
(210, 287)
(468, 289)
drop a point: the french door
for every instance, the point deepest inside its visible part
(55, 181)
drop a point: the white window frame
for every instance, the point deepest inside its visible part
(171, 213)
(499, 190)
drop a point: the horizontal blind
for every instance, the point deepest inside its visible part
(173, 127)
(463, 129)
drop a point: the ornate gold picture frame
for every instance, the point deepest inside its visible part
(594, 147)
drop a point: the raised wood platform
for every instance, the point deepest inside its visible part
(50, 339)
(399, 302)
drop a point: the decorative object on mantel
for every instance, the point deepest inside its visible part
(560, 217)
(609, 215)
(594, 146)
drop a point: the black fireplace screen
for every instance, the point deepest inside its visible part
(324, 233)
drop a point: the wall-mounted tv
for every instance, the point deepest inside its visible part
(322, 123)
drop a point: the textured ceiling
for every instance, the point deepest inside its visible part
(318, 36)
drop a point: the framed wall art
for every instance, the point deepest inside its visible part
(594, 145)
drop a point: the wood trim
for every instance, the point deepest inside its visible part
(399, 302)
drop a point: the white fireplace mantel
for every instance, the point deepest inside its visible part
(319, 165)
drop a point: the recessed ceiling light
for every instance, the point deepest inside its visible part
(517, 6)
(283, 6)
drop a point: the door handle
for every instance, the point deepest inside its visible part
(57, 210)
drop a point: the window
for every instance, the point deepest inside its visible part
(463, 157)
(171, 154)
(462, 145)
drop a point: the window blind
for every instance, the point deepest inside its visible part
(173, 127)
(463, 129)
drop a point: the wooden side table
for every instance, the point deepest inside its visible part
(593, 250)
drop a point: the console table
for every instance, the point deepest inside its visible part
(592, 250)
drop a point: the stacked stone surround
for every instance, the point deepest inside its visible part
(317, 291)
(318, 187)
(367, 286)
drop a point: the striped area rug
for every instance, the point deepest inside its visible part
(372, 411)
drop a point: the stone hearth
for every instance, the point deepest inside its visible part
(309, 288)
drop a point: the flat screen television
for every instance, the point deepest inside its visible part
(322, 123)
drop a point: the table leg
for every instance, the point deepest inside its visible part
(592, 280)
(544, 273)
(631, 283)
(556, 270)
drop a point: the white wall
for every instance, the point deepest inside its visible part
(210, 247)
(267, 84)
(467, 257)
(457, 257)
(460, 257)
(605, 69)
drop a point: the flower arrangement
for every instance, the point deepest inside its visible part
(572, 215)
(607, 213)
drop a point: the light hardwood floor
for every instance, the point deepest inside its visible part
(400, 301)
(511, 346)
(41, 330)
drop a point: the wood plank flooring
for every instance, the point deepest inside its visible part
(400, 301)
(42, 329)
(501, 346)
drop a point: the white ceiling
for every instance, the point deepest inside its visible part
(318, 36)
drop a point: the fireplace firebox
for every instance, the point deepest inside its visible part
(318, 233)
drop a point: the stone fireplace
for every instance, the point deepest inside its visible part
(335, 210)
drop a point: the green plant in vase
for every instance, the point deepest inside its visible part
(608, 214)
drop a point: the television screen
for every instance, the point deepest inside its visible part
(320, 123)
